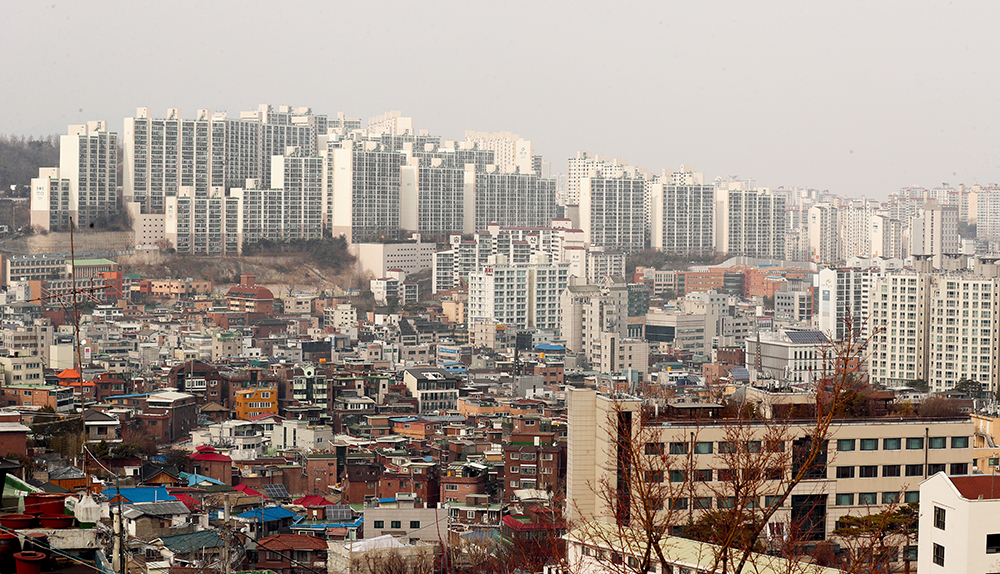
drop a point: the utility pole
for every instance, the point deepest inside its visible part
(227, 567)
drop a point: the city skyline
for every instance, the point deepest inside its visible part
(860, 102)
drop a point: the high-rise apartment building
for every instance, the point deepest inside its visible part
(934, 231)
(612, 211)
(844, 301)
(963, 337)
(211, 150)
(85, 186)
(200, 224)
(364, 184)
(50, 200)
(511, 152)
(750, 222)
(510, 199)
(523, 295)
(682, 213)
(585, 164)
(897, 328)
(823, 233)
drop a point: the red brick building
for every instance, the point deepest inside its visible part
(209, 462)
(291, 554)
(248, 297)
(360, 479)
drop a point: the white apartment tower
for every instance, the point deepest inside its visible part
(85, 186)
(364, 183)
(964, 315)
(935, 232)
(525, 296)
(50, 200)
(897, 329)
(750, 222)
(583, 165)
(202, 224)
(823, 233)
(843, 295)
(212, 150)
(511, 152)
(886, 236)
(612, 211)
(682, 210)
(508, 199)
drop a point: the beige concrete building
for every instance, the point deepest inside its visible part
(869, 463)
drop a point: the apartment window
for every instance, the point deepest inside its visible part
(914, 470)
(656, 448)
(939, 517)
(678, 503)
(845, 444)
(869, 444)
(678, 476)
(933, 469)
(703, 475)
(939, 555)
(678, 448)
(770, 501)
(891, 470)
(396, 524)
(915, 443)
(870, 471)
(959, 468)
(845, 472)
(993, 543)
(867, 498)
(517, 455)
(937, 442)
(727, 447)
(379, 524)
(654, 476)
(703, 448)
(911, 496)
(515, 469)
(959, 442)
(845, 499)
(890, 497)
(724, 502)
(414, 524)
(470, 514)
(726, 475)
(775, 446)
(703, 503)
(892, 444)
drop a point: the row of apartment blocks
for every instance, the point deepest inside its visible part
(212, 183)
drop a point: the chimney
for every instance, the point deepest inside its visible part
(248, 279)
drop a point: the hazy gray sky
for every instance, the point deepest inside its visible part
(854, 97)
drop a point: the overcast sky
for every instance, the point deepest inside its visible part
(860, 98)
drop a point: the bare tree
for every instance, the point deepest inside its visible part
(741, 504)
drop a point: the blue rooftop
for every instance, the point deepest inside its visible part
(548, 347)
(270, 514)
(141, 494)
(195, 479)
